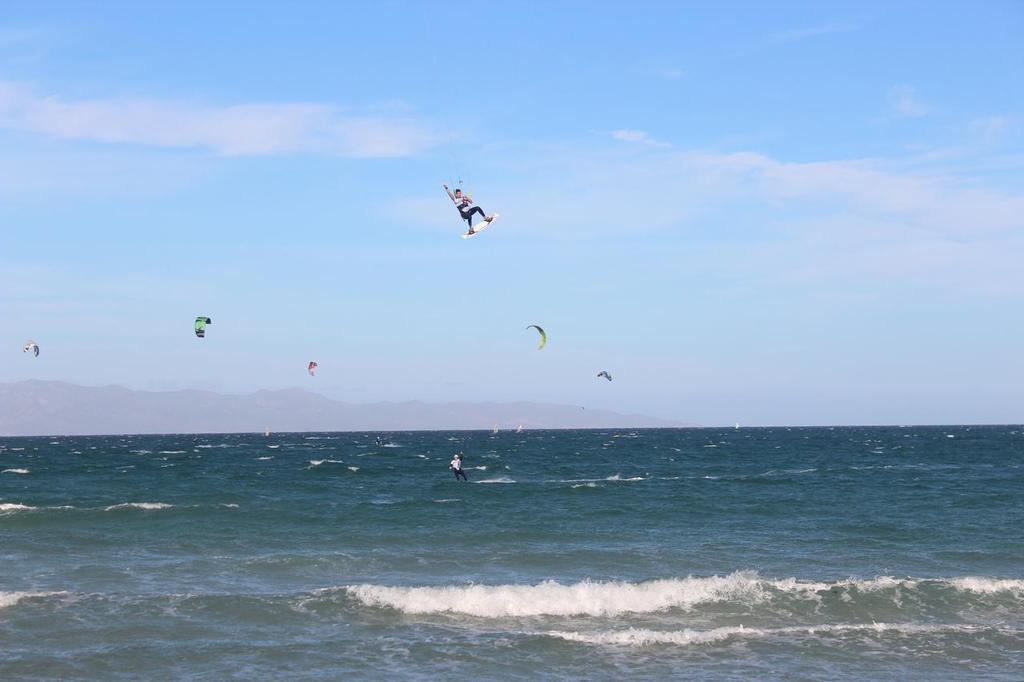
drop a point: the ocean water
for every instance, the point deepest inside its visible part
(805, 553)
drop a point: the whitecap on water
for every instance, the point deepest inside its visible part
(589, 598)
(12, 598)
(640, 637)
(618, 477)
(147, 506)
(15, 507)
(317, 462)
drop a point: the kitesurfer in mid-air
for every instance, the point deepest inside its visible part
(466, 208)
(456, 466)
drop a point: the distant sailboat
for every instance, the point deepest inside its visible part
(737, 425)
(267, 432)
(519, 429)
(495, 429)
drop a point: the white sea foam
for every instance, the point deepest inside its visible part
(353, 468)
(591, 484)
(500, 479)
(447, 500)
(988, 585)
(780, 472)
(14, 471)
(171, 452)
(639, 637)
(318, 462)
(618, 477)
(14, 507)
(12, 598)
(613, 598)
(555, 599)
(148, 506)
(263, 459)
(972, 584)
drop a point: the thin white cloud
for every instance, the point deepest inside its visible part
(673, 73)
(810, 32)
(931, 203)
(990, 128)
(905, 102)
(239, 130)
(636, 136)
(863, 221)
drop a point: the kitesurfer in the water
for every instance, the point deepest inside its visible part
(466, 208)
(456, 466)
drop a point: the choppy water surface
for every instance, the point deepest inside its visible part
(756, 553)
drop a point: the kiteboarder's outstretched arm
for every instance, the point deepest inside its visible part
(450, 195)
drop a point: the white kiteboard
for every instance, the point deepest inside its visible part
(481, 226)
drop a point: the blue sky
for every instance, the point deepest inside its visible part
(792, 213)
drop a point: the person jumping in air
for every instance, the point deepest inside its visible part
(456, 466)
(466, 208)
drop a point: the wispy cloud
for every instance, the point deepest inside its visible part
(862, 221)
(990, 128)
(240, 130)
(809, 32)
(636, 137)
(905, 102)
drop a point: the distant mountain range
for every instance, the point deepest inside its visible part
(38, 408)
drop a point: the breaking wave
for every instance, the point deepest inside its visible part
(148, 506)
(590, 598)
(639, 637)
(14, 507)
(12, 598)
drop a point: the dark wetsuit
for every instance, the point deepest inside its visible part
(468, 215)
(456, 466)
(467, 210)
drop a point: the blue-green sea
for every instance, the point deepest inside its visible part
(753, 553)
